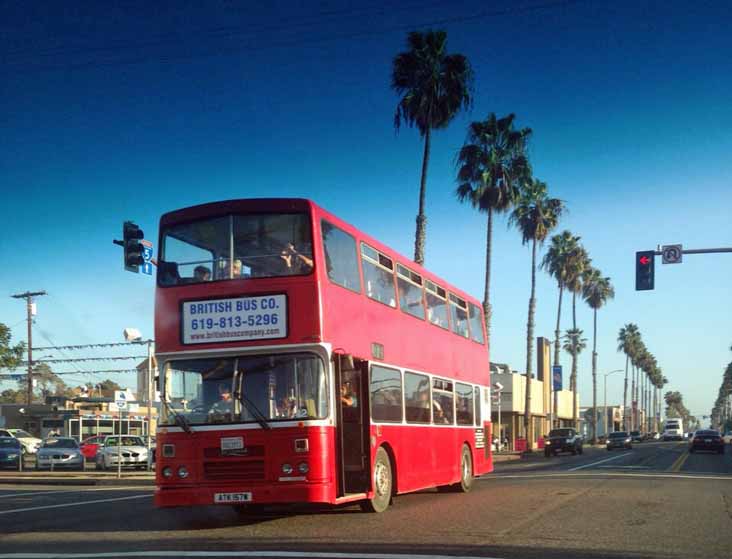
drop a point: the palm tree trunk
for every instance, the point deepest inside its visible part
(594, 377)
(487, 311)
(625, 395)
(421, 233)
(529, 351)
(632, 398)
(573, 376)
(556, 331)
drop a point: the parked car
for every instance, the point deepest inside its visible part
(727, 438)
(619, 439)
(131, 449)
(636, 436)
(707, 439)
(29, 443)
(655, 436)
(59, 453)
(10, 453)
(90, 446)
(562, 440)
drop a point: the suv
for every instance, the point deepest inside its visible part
(562, 440)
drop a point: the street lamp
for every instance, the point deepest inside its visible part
(604, 409)
(134, 336)
(498, 387)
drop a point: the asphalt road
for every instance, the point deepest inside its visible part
(653, 501)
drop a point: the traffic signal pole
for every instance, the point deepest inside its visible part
(28, 296)
(672, 254)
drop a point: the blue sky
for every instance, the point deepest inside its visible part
(127, 112)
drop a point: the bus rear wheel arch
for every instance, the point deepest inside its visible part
(382, 481)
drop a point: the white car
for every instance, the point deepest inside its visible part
(129, 448)
(28, 443)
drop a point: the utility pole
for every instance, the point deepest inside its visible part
(28, 296)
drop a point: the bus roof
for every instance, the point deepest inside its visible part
(262, 205)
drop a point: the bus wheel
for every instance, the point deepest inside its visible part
(466, 471)
(383, 483)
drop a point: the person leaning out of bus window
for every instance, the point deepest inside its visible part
(201, 273)
(348, 397)
(295, 261)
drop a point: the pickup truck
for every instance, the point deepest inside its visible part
(563, 440)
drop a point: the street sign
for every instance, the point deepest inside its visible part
(147, 254)
(671, 254)
(120, 398)
(557, 376)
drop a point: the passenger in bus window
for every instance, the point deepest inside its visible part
(201, 273)
(438, 413)
(295, 261)
(224, 268)
(287, 408)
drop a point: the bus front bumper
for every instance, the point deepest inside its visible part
(274, 493)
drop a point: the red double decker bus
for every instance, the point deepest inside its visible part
(303, 361)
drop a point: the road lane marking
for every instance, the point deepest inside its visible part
(31, 493)
(276, 554)
(676, 466)
(77, 504)
(579, 475)
(599, 462)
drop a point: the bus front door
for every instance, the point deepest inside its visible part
(353, 427)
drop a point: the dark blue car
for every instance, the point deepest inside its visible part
(10, 453)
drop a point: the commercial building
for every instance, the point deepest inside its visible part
(548, 407)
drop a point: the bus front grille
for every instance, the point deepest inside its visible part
(240, 469)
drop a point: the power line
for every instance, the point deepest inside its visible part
(95, 372)
(78, 359)
(302, 41)
(83, 346)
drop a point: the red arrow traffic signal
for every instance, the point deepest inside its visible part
(644, 273)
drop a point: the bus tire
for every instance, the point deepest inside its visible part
(383, 484)
(466, 471)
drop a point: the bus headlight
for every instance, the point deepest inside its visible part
(303, 468)
(167, 472)
(287, 469)
(183, 472)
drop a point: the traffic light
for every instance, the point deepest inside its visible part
(644, 271)
(131, 235)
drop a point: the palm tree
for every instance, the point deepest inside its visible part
(573, 344)
(535, 215)
(596, 291)
(492, 164)
(577, 267)
(434, 86)
(559, 262)
(626, 338)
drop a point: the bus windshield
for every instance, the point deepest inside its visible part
(236, 247)
(238, 390)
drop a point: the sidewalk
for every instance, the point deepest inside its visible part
(78, 478)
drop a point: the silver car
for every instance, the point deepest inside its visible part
(59, 452)
(131, 450)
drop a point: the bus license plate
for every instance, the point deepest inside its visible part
(228, 498)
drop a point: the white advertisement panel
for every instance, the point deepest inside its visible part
(242, 318)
